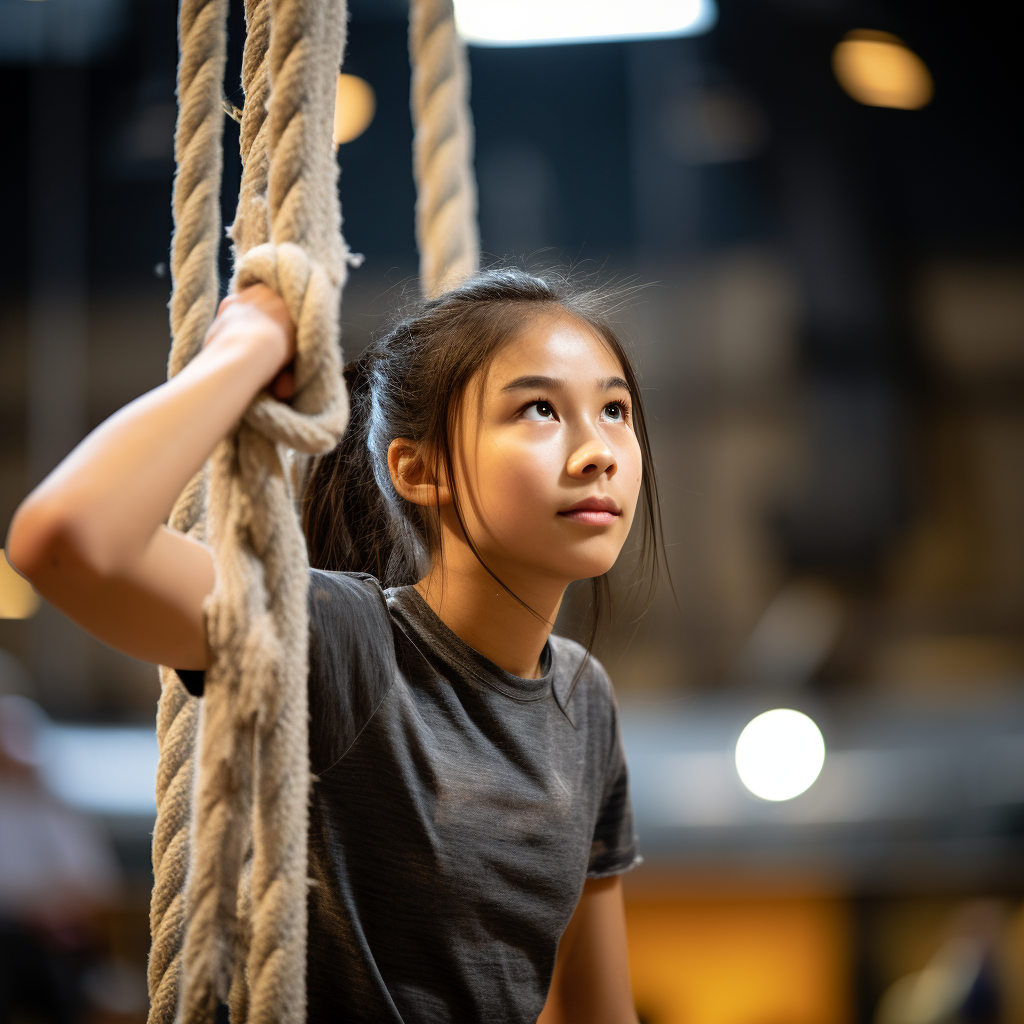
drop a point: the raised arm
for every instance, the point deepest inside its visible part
(90, 537)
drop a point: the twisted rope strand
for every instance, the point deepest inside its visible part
(251, 226)
(196, 209)
(446, 202)
(253, 738)
(229, 903)
(306, 44)
(195, 200)
(176, 727)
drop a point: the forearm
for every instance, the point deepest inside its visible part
(591, 979)
(108, 498)
(90, 536)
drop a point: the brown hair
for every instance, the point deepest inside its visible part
(410, 383)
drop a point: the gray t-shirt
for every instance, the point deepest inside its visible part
(456, 813)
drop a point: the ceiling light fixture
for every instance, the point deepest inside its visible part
(355, 103)
(545, 22)
(877, 69)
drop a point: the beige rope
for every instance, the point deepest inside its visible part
(196, 198)
(177, 715)
(446, 228)
(228, 913)
(252, 775)
(196, 208)
(251, 227)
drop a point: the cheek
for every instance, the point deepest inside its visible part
(518, 483)
(632, 465)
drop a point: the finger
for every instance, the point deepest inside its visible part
(283, 386)
(256, 293)
(211, 330)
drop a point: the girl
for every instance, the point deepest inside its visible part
(471, 818)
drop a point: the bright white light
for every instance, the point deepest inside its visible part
(779, 754)
(541, 22)
(101, 768)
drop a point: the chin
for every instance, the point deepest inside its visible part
(588, 568)
(565, 562)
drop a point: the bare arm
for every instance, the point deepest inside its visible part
(90, 537)
(591, 980)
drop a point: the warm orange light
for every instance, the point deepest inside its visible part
(876, 69)
(354, 107)
(740, 960)
(17, 598)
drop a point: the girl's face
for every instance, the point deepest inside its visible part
(548, 464)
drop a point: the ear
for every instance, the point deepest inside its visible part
(413, 478)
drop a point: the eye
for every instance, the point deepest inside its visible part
(540, 412)
(614, 412)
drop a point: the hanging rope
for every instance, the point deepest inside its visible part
(228, 913)
(196, 207)
(249, 752)
(446, 227)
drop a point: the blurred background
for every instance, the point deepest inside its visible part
(822, 200)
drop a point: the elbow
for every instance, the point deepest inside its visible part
(33, 540)
(43, 543)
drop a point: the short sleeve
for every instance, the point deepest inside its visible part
(351, 654)
(615, 847)
(351, 661)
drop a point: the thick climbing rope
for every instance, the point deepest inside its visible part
(228, 913)
(196, 209)
(446, 224)
(249, 751)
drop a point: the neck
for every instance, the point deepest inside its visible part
(480, 612)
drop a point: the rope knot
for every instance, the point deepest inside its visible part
(315, 419)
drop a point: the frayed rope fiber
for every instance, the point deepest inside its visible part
(228, 911)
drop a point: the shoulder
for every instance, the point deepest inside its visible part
(349, 621)
(352, 595)
(351, 659)
(325, 586)
(579, 678)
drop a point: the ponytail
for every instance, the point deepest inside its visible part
(349, 514)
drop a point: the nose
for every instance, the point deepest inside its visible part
(591, 459)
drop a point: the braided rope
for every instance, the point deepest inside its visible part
(251, 226)
(215, 936)
(228, 914)
(196, 207)
(446, 228)
(196, 198)
(177, 715)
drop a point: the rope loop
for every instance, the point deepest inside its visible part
(315, 419)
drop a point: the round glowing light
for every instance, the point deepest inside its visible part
(354, 106)
(17, 598)
(876, 69)
(779, 754)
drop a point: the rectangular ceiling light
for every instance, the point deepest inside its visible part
(544, 22)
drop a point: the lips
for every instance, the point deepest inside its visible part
(596, 511)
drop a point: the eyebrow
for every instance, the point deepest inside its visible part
(533, 383)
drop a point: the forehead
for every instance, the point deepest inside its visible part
(553, 346)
